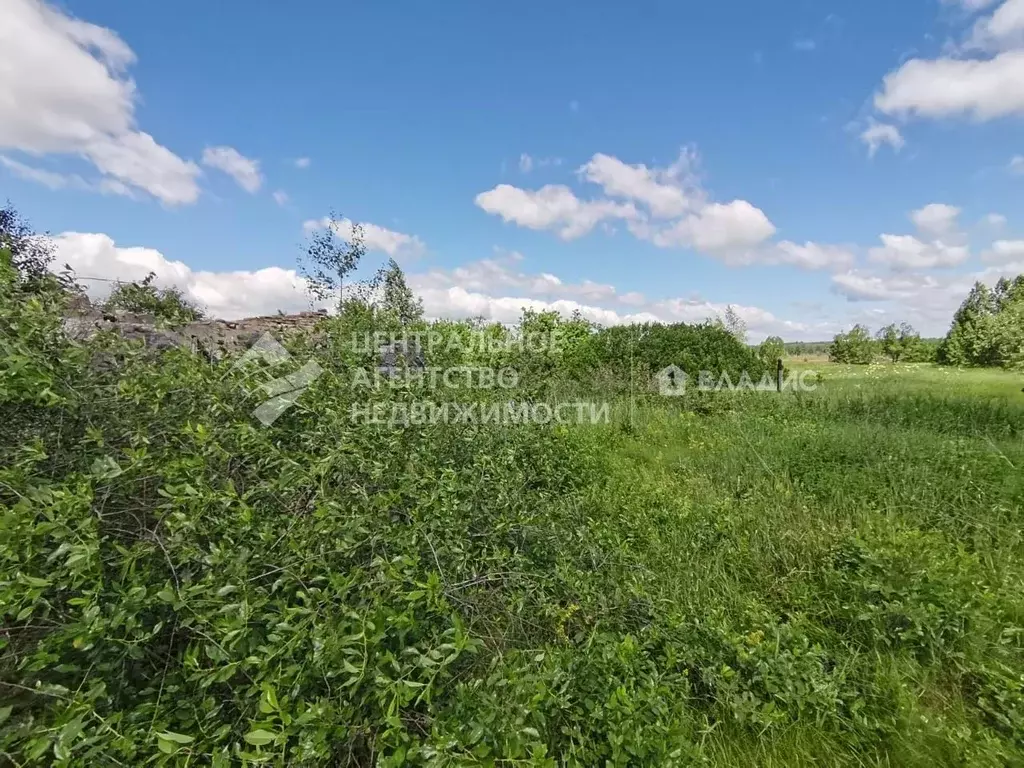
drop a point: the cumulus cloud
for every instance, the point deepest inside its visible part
(961, 82)
(1003, 251)
(668, 207)
(908, 252)
(302, 162)
(64, 89)
(981, 88)
(936, 220)
(245, 171)
(926, 301)
(809, 255)
(375, 238)
(718, 227)
(553, 206)
(860, 286)
(667, 192)
(1002, 30)
(98, 261)
(939, 242)
(281, 197)
(878, 134)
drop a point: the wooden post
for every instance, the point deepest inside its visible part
(778, 375)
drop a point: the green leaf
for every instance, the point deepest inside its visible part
(178, 738)
(259, 737)
(5, 712)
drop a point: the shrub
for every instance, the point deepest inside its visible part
(144, 297)
(854, 346)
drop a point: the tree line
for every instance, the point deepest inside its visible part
(987, 331)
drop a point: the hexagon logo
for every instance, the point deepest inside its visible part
(671, 381)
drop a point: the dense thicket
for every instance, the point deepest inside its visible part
(988, 328)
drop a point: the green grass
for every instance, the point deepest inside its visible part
(870, 533)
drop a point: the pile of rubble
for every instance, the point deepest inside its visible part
(84, 320)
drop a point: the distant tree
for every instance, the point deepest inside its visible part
(988, 328)
(733, 323)
(330, 257)
(396, 297)
(773, 348)
(31, 253)
(854, 347)
(144, 297)
(898, 342)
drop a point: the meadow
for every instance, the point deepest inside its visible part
(825, 577)
(855, 551)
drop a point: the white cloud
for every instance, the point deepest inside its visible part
(858, 286)
(807, 256)
(877, 134)
(375, 238)
(804, 45)
(907, 252)
(227, 295)
(995, 220)
(718, 227)
(926, 301)
(666, 206)
(971, 6)
(302, 162)
(55, 180)
(554, 207)
(281, 197)
(668, 192)
(1003, 30)
(528, 162)
(947, 87)
(1017, 164)
(1003, 251)
(245, 171)
(64, 90)
(49, 179)
(936, 220)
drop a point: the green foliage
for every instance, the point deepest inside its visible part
(898, 342)
(393, 296)
(648, 348)
(771, 350)
(331, 255)
(988, 328)
(144, 297)
(854, 346)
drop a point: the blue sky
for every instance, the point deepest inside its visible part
(637, 161)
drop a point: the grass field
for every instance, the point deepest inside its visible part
(858, 551)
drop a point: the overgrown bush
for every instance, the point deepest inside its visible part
(166, 304)
(854, 346)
